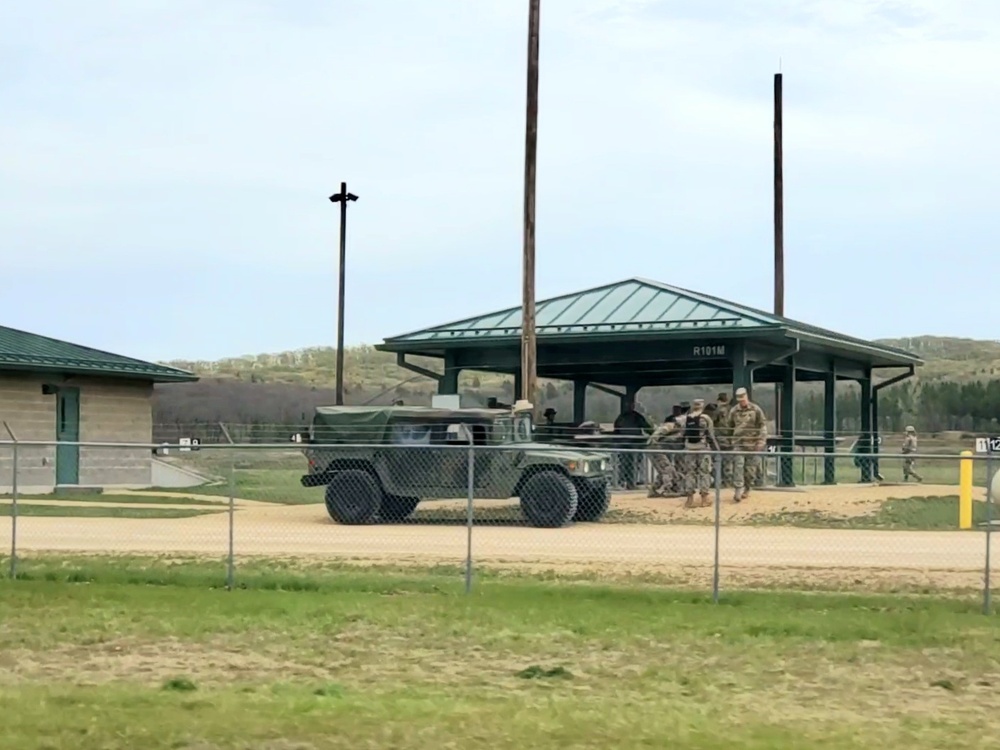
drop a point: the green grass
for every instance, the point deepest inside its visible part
(91, 511)
(809, 470)
(99, 497)
(376, 659)
(269, 485)
(913, 513)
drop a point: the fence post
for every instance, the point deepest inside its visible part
(230, 562)
(13, 503)
(471, 491)
(989, 529)
(718, 516)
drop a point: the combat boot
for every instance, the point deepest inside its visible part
(737, 494)
(706, 501)
(689, 503)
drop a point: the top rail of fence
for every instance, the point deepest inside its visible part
(535, 446)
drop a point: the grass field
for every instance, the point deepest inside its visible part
(98, 654)
(927, 513)
(27, 509)
(108, 497)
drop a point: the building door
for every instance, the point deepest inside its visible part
(67, 431)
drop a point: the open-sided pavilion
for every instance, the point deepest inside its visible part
(638, 333)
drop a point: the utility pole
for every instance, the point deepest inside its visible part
(779, 206)
(779, 265)
(343, 198)
(528, 342)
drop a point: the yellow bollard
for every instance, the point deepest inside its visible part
(965, 491)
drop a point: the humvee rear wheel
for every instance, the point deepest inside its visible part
(595, 499)
(396, 508)
(549, 499)
(353, 497)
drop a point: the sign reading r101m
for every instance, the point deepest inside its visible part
(710, 350)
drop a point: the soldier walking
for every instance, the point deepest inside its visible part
(664, 438)
(722, 433)
(748, 432)
(630, 422)
(699, 439)
(910, 446)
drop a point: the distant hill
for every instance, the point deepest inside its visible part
(370, 371)
(948, 358)
(950, 391)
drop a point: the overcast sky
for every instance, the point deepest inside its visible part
(165, 164)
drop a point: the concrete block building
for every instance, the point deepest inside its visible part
(64, 394)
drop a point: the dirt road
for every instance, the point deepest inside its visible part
(620, 549)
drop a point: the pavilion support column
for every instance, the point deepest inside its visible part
(579, 401)
(876, 474)
(630, 394)
(742, 374)
(786, 427)
(865, 439)
(830, 426)
(448, 384)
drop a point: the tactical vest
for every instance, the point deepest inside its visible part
(693, 430)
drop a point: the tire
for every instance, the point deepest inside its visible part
(549, 500)
(594, 501)
(353, 497)
(395, 508)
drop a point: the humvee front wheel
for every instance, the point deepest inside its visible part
(395, 508)
(353, 497)
(595, 499)
(549, 499)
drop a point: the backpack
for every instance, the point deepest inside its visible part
(693, 430)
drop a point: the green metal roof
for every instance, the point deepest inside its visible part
(633, 306)
(30, 352)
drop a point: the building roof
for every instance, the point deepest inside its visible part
(633, 307)
(30, 352)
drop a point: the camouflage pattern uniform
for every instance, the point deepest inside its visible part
(724, 436)
(699, 438)
(664, 438)
(748, 432)
(910, 446)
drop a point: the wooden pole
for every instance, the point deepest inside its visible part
(779, 207)
(528, 344)
(343, 198)
(779, 238)
(340, 294)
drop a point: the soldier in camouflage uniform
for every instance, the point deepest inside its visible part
(723, 435)
(699, 439)
(664, 438)
(748, 432)
(910, 446)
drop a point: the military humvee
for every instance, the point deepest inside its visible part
(380, 462)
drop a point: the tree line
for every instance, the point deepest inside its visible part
(271, 412)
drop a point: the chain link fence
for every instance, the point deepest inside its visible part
(438, 497)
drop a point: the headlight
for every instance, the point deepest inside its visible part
(604, 464)
(586, 467)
